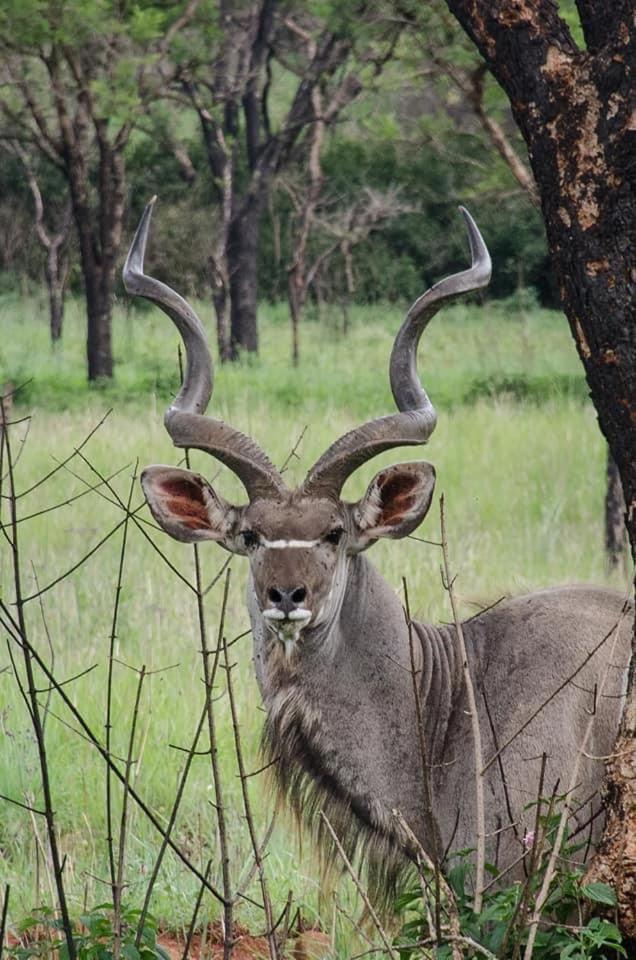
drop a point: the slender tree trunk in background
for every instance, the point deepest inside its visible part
(614, 516)
(55, 271)
(574, 109)
(55, 245)
(242, 255)
(295, 309)
(220, 288)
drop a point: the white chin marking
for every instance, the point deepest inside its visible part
(289, 544)
(287, 628)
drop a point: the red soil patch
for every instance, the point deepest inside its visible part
(308, 945)
(209, 946)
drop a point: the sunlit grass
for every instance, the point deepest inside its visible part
(523, 485)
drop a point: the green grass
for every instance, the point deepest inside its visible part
(523, 478)
(467, 354)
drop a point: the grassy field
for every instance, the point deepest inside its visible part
(521, 464)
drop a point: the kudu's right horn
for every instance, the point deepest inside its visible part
(417, 418)
(184, 418)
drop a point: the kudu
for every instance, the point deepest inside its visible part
(332, 647)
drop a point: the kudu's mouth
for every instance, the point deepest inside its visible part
(287, 627)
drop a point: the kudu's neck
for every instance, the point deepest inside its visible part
(327, 707)
(373, 627)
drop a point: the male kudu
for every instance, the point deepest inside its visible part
(331, 643)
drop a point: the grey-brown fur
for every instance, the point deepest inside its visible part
(331, 644)
(345, 732)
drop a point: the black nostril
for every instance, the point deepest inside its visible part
(299, 595)
(274, 595)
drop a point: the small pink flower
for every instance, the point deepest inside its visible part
(528, 839)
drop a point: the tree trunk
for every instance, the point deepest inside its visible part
(99, 353)
(220, 286)
(55, 271)
(574, 108)
(296, 303)
(242, 255)
(56, 310)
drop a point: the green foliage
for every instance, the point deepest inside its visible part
(415, 249)
(594, 938)
(416, 135)
(94, 934)
(567, 930)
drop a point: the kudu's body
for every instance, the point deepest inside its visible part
(335, 657)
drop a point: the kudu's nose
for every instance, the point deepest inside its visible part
(287, 599)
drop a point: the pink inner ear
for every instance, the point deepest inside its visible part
(396, 491)
(184, 499)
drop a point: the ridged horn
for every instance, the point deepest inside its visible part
(184, 418)
(417, 418)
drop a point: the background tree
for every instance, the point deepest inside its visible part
(263, 54)
(573, 106)
(53, 238)
(75, 81)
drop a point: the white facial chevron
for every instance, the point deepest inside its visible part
(289, 544)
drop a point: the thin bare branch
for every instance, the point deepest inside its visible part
(480, 811)
(390, 949)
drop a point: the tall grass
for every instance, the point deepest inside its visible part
(523, 484)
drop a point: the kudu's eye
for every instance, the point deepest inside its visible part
(334, 535)
(250, 539)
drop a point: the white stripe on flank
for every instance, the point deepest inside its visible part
(289, 544)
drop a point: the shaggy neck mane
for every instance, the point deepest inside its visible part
(298, 743)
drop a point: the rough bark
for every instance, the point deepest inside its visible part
(574, 110)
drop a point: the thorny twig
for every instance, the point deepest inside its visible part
(392, 952)
(256, 847)
(3, 917)
(209, 674)
(426, 763)
(108, 726)
(34, 706)
(474, 718)
(441, 883)
(192, 752)
(123, 825)
(7, 621)
(195, 912)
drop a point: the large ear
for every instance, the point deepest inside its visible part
(187, 507)
(396, 502)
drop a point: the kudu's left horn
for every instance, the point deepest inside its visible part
(184, 418)
(417, 418)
